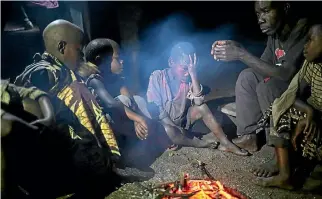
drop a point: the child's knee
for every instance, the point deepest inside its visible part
(125, 100)
(199, 111)
(140, 101)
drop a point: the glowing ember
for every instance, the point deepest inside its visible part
(200, 189)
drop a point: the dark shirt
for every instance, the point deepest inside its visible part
(289, 50)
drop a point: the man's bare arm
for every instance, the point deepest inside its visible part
(282, 72)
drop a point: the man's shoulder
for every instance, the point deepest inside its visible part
(302, 28)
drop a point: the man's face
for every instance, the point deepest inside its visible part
(269, 19)
(313, 47)
(73, 55)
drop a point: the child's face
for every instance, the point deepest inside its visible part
(73, 55)
(117, 63)
(180, 68)
(313, 47)
(114, 63)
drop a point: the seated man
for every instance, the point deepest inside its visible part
(268, 76)
(76, 108)
(180, 99)
(103, 65)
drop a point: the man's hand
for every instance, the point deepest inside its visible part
(226, 50)
(141, 128)
(192, 66)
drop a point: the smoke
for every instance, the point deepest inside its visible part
(157, 40)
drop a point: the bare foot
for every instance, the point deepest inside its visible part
(230, 147)
(267, 169)
(275, 181)
(213, 145)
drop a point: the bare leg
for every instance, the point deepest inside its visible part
(176, 136)
(203, 112)
(282, 179)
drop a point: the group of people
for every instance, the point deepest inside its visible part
(83, 127)
(280, 94)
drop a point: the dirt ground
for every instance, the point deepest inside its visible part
(230, 169)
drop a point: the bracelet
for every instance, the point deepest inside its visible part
(191, 96)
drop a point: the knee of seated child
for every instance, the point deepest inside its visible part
(125, 100)
(139, 100)
(200, 111)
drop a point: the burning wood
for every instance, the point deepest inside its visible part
(197, 189)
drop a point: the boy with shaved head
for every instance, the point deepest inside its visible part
(76, 108)
(179, 96)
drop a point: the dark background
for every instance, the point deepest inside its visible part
(201, 23)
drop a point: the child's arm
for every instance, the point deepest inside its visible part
(108, 101)
(47, 111)
(197, 95)
(8, 120)
(306, 125)
(46, 108)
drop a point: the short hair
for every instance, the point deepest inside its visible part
(180, 49)
(100, 46)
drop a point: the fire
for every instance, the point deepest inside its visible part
(200, 189)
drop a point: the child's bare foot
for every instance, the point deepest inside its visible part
(279, 181)
(267, 169)
(230, 147)
(213, 145)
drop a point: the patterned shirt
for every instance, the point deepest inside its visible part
(12, 96)
(47, 4)
(8, 90)
(73, 101)
(312, 74)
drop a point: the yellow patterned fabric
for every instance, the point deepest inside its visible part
(89, 113)
(32, 92)
(312, 74)
(72, 92)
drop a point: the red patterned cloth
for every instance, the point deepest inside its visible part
(47, 4)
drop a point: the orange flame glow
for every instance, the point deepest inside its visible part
(203, 189)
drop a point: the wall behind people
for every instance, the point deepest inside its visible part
(18, 47)
(203, 23)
